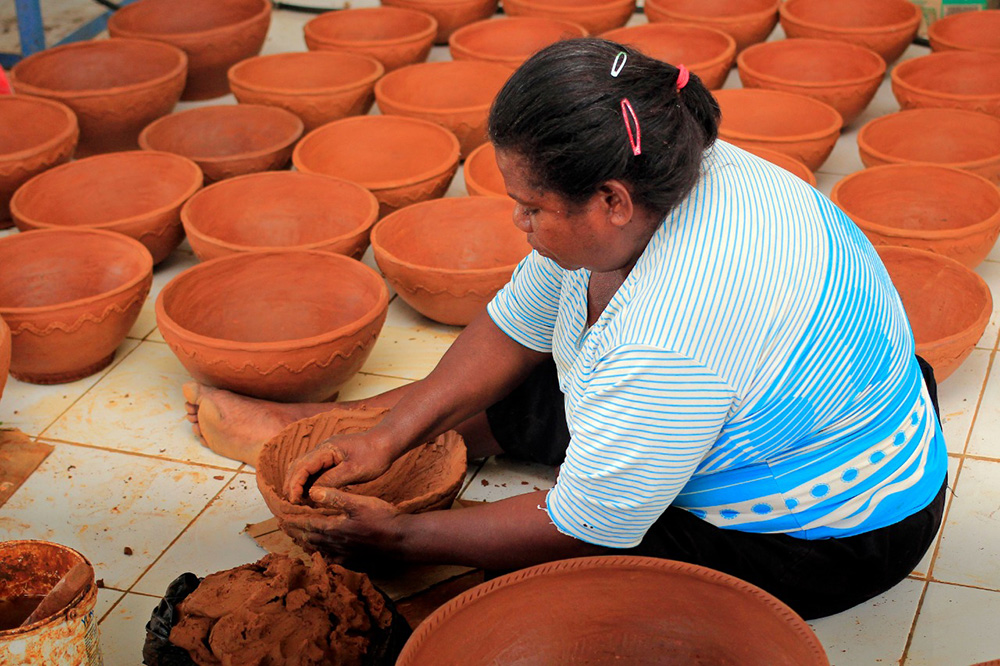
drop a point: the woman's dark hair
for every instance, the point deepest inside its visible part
(562, 111)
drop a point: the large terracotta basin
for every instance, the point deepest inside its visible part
(114, 86)
(401, 160)
(280, 210)
(447, 258)
(785, 162)
(707, 52)
(841, 74)
(481, 173)
(510, 41)
(884, 26)
(280, 325)
(936, 208)
(4, 354)
(136, 193)
(967, 31)
(798, 126)
(70, 297)
(746, 21)
(967, 80)
(317, 86)
(215, 34)
(614, 609)
(393, 36)
(596, 16)
(449, 14)
(948, 305)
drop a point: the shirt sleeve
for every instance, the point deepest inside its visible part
(526, 308)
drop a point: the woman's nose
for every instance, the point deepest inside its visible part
(521, 219)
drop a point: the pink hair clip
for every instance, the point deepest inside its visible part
(5, 88)
(682, 77)
(634, 140)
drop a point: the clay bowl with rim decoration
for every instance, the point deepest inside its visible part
(227, 140)
(215, 35)
(393, 36)
(967, 80)
(510, 41)
(799, 126)
(289, 325)
(706, 52)
(280, 210)
(843, 75)
(925, 206)
(746, 21)
(787, 163)
(447, 258)
(948, 304)
(481, 173)
(611, 608)
(449, 14)
(455, 94)
(967, 31)
(70, 297)
(884, 26)
(317, 86)
(596, 16)
(137, 193)
(5, 345)
(400, 160)
(115, 87)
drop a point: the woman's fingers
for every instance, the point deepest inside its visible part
(306, 466)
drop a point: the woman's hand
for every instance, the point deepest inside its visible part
(339, 461)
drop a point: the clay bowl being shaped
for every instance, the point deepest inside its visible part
(455, 94)
(596, 16)
(746, 21)
(967, 31)
(967, 80)
(4, 354)
(949, 211)
(785, 162)
(317, 86)
(449, 14)
(510, 41)
(884, 26)
(798, 126)
(136, 193)
(114, 86)
(843, 75)
(279, 325)
(215, 34)
(447, 258)
(400, 160)
(615, 609)
(227, 140)
(393, 36)
(707, 52)
(948, 305)
(482, 175)
(280, 210)
(70, 297)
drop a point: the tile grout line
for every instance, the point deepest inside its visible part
(138, 454)
(913, 623)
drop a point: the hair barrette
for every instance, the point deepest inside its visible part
(619, 64)
(682, 77)
(635, 141)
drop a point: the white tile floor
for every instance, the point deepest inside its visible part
(126, 471)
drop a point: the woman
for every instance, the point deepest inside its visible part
(711, 350)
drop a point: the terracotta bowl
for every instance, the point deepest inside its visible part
(785, 162)
(425, 478)
(394, 36)
(482, 175)
(596, 16)
(279, 325)
(746, 21)
(796, 125)
(967, 80)
(510, 41)
(615, 609)
(843, 75)
(707, 52)
(455, 94)
(4, 354)
(70, 297)
(136, 193)
(280, 210)
(401, 160)
(447, 258)
(948, 305)
(915, 205)
(967, 31)
(227, 140)
(884, 26)
(317, 86)
(215, 35)
(450, 14)
(114, 86)
(949, 137)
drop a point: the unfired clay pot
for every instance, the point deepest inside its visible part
(948, 305)
(799, 126)
(279, 325)
(114, 86)
(746, 21)
(706, 52)
(884, 26)
(317, 86)
(70, 297)
(280, 210)
(949, 211)
(615, 609)
(951, 137)
(447, 258)
(785, 162)
(136, 193)
(596, 16)
(967, 80)
(843, 75)
(4, 354)
(455, 94)
(394, 36)
(215, 34)
(227, 140)
(401, 160)
(510, 41)
(967, 31)
(482, 175)
(449, 14)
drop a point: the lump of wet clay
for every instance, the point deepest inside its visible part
(280, 611)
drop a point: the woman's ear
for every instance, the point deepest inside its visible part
(617, 200)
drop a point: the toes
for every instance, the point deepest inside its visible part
(197, 432)
(192, 393)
